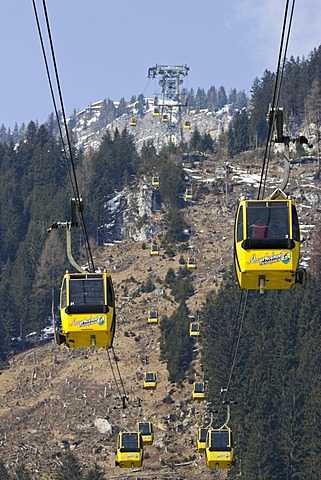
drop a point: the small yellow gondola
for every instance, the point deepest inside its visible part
(129, 450)
(194, 329)
(153, 316)
(165, 118)
(133, 122)
(191, 262)
(155, 181)
(146, 431)
(188, 194)
(150, 380)
(219, 448)
(198, 391)
(87, 310)
(201, 439)
(187, 125)
(267, 244)
(154, 250)
(156, 112)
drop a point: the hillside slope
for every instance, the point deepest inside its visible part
(51, 397)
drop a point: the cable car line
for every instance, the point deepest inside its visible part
(233, 351)
(276, 96)
(118, 371)
(71, 166)
(234, 334)
(122, 394)
(51, 87)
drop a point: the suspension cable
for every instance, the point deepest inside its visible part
(234, 350)
(70, 161)
(122, 394)
(276, 95)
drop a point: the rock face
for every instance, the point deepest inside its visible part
(90, 125)
(129, 214)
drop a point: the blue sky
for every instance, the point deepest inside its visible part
(104, 48)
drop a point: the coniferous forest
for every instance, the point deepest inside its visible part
(276, 379)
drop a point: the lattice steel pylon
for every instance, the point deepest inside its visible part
(173, 100)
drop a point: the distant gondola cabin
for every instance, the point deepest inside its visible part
(129, 450)
(198, 391)
(150, 380)
(191, 262)
(267, 244)
(156, 112)
(154, 249)
(155, 181)
(165, 118)
(219, 448)
(133, 122)
(87, 310)
(146, 431)
(153, 316)
(187, 125)
(188, 194)
(201, 439)
(194, 329)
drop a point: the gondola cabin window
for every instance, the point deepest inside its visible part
(64, 294)
(219, 442)
(199, 387)
(130, 442)
(145, 428)
(295, 225)
(86, 292)
(239, 234)
(267, 220)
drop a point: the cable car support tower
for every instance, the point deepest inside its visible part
(172, 99)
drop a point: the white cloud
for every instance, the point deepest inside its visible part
(264, 23)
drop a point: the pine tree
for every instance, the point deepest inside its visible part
(21, 473)
(4, 474)
(95, 473)
(262, 95)
(221, 97)
(70, 468)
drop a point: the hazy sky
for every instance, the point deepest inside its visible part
(104, 48)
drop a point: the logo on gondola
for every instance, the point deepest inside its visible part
(85, 322)
(222, 455)
(283, 257)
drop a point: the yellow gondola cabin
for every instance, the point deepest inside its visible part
(194, 329)
(201, 439)
(219, 448)
(156, 112)
(191, 262)
(152, 316)
(87, 310)
(198, 391)
(133, 122)
(129, 450)
(267, 244)
(146, 431)
(187, 125)
(155, 181)
(154, 250)
(150, 380)
(188, 194)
